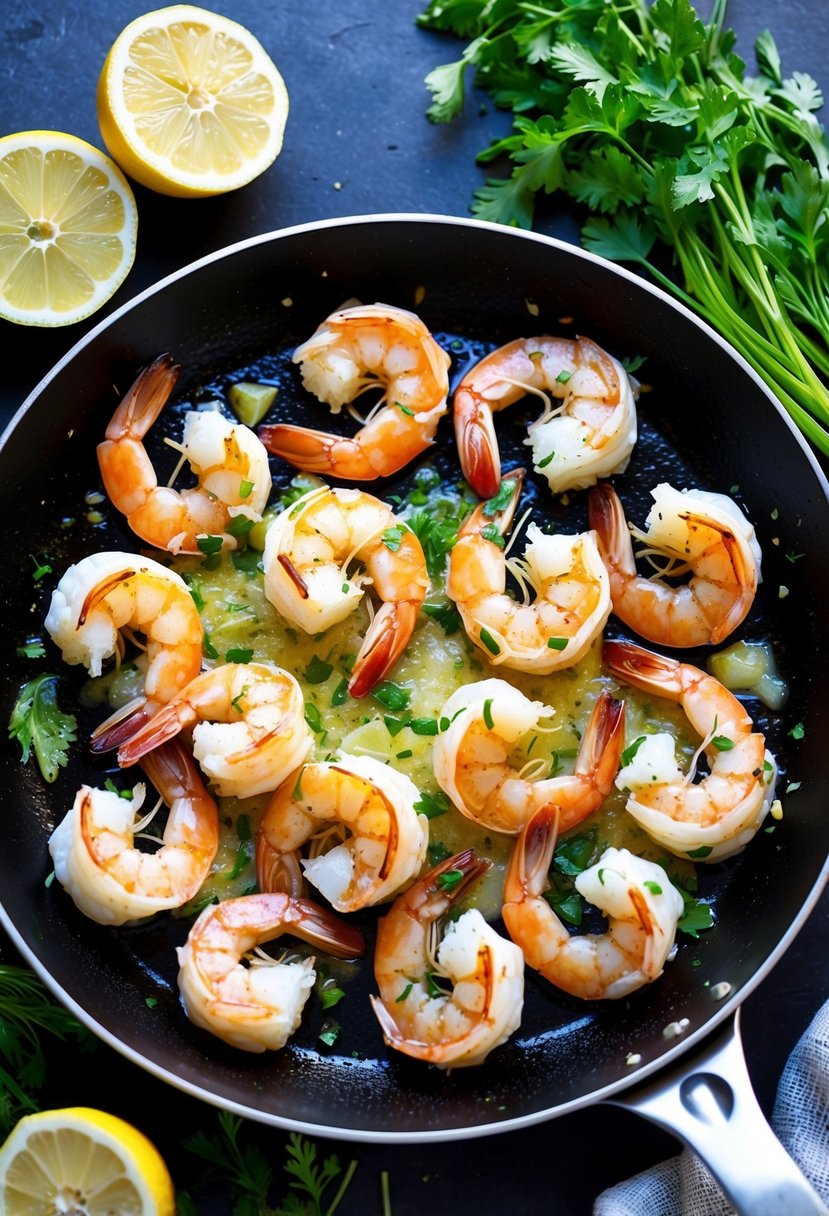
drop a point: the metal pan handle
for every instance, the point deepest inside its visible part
(712, 1107)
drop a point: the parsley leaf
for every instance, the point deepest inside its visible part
(39, 724)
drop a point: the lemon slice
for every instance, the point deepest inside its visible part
(190, 104)
(82, 1160)
(67, 228)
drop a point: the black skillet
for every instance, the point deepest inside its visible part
(708, 421)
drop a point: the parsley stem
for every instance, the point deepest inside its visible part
(385, 1193)
(343, 1187)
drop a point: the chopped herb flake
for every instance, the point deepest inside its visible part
(489, 642)
(239, 654)
(318, 670)
(432, 804)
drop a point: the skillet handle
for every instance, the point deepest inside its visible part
(711, 1106)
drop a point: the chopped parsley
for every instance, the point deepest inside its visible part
(394, 696)
(318, 670)
(433, 803)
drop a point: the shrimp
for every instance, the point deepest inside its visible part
(471, 766)
(418, 1016)
(249, 729)
(99, 866)
(566, 574)
(591, 435)
(307, 551)
(108, 596)
(229, 460)
(692, 529)
(352, 350)
(258, 1007)
(717, 816)
(642, 907)
(359, 798)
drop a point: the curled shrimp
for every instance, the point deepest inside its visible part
(642, 907)
(228, 459)
(248, 724)
(256, 1007)
(565, 574)
(308, 549)
(590, 435)
(471, 758)
(107, 597)
(353, 350)
(412, 961)
(717, 816)
(689, 530)
(100, 867)
(361, 808)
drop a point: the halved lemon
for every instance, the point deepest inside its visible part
(190, 104)
(82, 1160)
(67, 228)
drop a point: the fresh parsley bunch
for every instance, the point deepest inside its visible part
(645, 115)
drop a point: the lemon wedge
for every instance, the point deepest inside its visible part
(82, 1160)
(190, 104)
(67, 228)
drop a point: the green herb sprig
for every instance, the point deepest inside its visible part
(248, 1174)
(39, 725)
(645, 116)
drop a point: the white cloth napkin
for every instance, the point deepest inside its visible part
(683, 1186)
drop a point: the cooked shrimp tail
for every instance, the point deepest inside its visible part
(248, 724)
(358, 348)
(590, 434)
(98, 863)
(386, 638)
(687, 529)
(257, 1007)
(642, 906)
(229, 461)
(308, 549)
(565, 589)
(120, 726)
(278, 871)
(707, 819)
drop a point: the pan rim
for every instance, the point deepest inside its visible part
(684, 1046)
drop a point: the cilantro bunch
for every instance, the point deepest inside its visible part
(714, 182)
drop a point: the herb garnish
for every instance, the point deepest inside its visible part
(644, 115)
(38, 724)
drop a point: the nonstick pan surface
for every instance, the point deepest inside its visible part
(708, 422)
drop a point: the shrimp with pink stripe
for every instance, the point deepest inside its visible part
(108, 598)
(471, 758)
(250, 1000)
(309, 549)
(642, 907)
(355, 349)
(248, 726)
(450, 992)
(686, 531)
(565, 598)
(99, 865)
(591, 434)
(230, 463)
(718, 815)
(359, 815)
